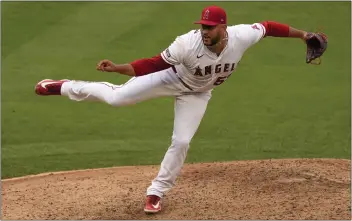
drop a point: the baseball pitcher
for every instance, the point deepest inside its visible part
(189, 69)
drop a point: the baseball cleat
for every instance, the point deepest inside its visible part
(153, 204)
(49, 87)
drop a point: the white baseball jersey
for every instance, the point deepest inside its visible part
(202, 69)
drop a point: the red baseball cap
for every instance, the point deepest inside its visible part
(212, 15)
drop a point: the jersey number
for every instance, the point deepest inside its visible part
(220, 80)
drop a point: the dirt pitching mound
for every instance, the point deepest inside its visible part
(267, 189)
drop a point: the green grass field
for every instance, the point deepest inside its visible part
(274, 106)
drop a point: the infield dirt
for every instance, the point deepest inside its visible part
(262, 189)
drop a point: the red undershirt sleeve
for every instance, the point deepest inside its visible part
(149, 65)
(276, 29)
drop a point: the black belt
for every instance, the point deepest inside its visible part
(184, 84)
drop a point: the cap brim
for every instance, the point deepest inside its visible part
(205, 22)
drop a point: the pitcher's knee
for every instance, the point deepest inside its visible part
(118, 100)
(181, 142)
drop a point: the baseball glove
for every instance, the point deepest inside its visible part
(316, 46)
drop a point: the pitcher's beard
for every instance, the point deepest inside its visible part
(217, 41)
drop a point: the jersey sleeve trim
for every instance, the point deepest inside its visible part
(263, 30)
(165, 59)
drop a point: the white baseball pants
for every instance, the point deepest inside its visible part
(189, 110)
